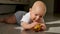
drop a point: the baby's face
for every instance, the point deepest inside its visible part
(37, 13)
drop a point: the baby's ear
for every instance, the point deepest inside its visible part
(30, 9)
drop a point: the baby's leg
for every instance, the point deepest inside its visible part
(13, 18)
(10, 19)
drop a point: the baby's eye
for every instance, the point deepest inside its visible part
(36, 14)
(40, 16)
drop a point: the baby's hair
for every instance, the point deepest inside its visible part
(34, 2)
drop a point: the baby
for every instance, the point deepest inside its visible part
(34, 16)
(30, 19)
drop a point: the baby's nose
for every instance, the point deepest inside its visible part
(37, 18)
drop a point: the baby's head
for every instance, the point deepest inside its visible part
(37, 11)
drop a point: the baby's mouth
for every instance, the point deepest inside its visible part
(36, 20)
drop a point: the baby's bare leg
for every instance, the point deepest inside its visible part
(10, 19)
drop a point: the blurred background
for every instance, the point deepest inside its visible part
(12, 6)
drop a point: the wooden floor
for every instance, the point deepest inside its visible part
(52, 23)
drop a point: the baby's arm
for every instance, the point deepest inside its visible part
(27, 25)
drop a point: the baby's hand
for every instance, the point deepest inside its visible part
(43, 27)
(35, 23)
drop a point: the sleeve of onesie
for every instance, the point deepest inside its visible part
(25, 18)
